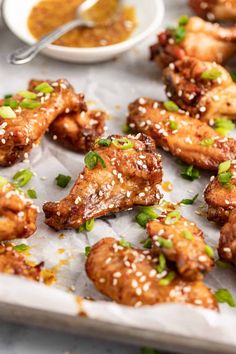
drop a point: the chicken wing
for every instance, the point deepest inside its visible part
(191, 140)
(215, 10)
(227, 243)
(129, 277)
(76, 130)
(24, 126)
(120, 172)
(185, 246)
(200, 39)
(17, 214)
(13, 262)
(204, 89)
(221, 197)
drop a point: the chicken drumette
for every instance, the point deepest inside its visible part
(199, 39)
(76, 130)
(120, 172)
(13, 262)
(17, 214)
(129, 277)
(191, 140)
(24, 125)
(215, 10)
(206, 90)
(182, 243)
(227, 243)
(220, 195)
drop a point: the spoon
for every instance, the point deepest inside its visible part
(27, 53)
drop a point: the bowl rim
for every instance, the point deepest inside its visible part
(122, 46)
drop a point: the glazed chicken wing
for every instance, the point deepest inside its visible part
(215, 10)
(17, 214)
(76, 130)
(184, 137)
(227, 243)
(185, 246)
(220, 196)
(204, 89)
(202, 40)
(120, 172)
(24, 126)
(12, 262)
(129, 277)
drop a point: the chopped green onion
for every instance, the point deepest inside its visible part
(222, 126)
(222, 264)
(44, 87)
(183, 20)
(149, 351)
(27, 94)
(124, 243)
(123, 143)
(22, 177)
(179, 34)
(32, 193)
(10, 102)
(207, 142)
(3, 181)
(172, 217)
(7, 96)
(21, 248)
(126, 129)
(91, 160)
(224, 167)
(188, 235)
(147, 243)
(170, 106)
(189, 201)
(211, 74)
(190, 173)
(224, 296)
(225, 178)
(62, 180)
(173, 125)
(89, 225)
(149, 211)
(168, 279)
(162, 263)
(87, 251)
(7, 112)
(104, 142)
(29, 104)
(233, 75)
(165, 243)
(142, 219)
(209, 251)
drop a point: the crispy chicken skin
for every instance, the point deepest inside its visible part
(76, 130)
(215, 10)
(227, 242)
(17, 214)
(221, 200)
(18, 135)
(129, 277)
(203, 40)
(12, 262)
(188, 248)
(186, 141)
(129, 177)
(205, 99)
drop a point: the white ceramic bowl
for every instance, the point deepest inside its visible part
(149, 15)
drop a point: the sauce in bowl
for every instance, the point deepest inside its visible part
(112, 26)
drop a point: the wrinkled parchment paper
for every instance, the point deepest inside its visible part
(110, 86)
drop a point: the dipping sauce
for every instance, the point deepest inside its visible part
(112, 26)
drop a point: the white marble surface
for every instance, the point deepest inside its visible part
(19, 339)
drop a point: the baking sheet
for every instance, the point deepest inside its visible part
(110, 86)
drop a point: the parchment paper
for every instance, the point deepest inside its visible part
(111, 86)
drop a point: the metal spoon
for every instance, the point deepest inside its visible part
(27, 53)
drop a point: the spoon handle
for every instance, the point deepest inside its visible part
(27, 53)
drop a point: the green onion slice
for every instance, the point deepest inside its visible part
(168, 279)
(44, 87)
(21, 178)
(179, 34)
(123, 143)
(225, 178)
(29, 104)
(10, 102)
(224, 167)
(124, 243)
(224, 296)
(89, 225)
(87, 251)
(62, 180)
(211, 74)
(209, 251)
(183, 20)
(104, 142)
(189, 201)
(222, 264)
(7, 112)
(3, 182)
(223, 126)
(170, 106)
(173, 125)
(21, 248)
(190, 173)
(147, 243)
(207, 142)
(32, 193)
(91, 160)
(172, 217)
(188, 235)
(27, 94)
(165, 243)
(162, 263)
